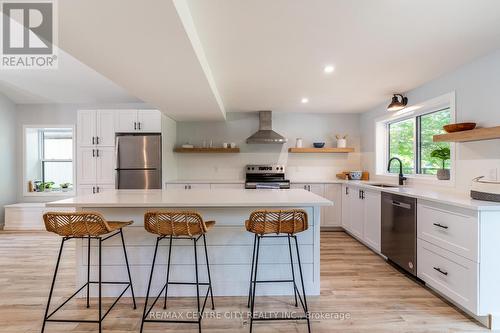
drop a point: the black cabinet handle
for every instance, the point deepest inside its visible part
(139, 126)
(93, 140)
(93, 189)
(346, 190)
(93, 152)
(440, 271)
(135, 125)
(97, 150)
(98, 189)
(440, 225)
(96, 140)
(362, 194)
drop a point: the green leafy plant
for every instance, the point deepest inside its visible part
(46, 186)
(65, 185)
(442, 153)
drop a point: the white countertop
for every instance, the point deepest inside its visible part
(196, 198)
(459, 199)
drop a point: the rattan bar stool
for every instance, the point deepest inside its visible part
(85, 225)
(277, 224)
(178, 226)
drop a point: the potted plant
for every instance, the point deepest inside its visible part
(65, 187)
(46, 186)
(443, 154)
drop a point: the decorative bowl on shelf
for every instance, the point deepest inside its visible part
(355, 175)
(459, 127)
(318, 144)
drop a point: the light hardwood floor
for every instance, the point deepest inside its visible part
(375, 296)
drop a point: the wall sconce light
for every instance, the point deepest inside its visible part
(396, 103)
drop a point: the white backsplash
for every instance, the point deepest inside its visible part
(310, 127)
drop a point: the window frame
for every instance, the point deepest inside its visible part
(27, 127)
(446, 101)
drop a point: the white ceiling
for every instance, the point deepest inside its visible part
(197, 59)
(269, 54)
(144, 47)
(72, 82)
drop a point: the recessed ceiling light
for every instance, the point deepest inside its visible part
(329, 69)
(304, 100)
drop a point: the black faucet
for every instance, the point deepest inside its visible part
(402, 178)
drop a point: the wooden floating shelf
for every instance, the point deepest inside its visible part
(207, 150)
(478, 134)
(320, 150)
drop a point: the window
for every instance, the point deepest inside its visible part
(49, 159)
(411, 141)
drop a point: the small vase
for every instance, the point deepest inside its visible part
(341, 143)
(443, 174)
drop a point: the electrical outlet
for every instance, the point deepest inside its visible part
(492, 174)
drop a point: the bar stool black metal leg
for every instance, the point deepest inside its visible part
(128, 269)
(53, 283)
(100, 284)
(208, 272)
(252, 302)
(197, 285)
(306, 310)
(149, 284)
(293, 271)
(88, 273)
(251, 271)
(168, 272)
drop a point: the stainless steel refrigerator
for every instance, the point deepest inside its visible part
(138, 161)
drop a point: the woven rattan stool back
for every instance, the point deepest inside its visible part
(277, 221)
(172, 223)
(76, 224)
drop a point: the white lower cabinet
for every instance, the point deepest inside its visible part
(330, 215)
(372, 223)
(450, 274)
(457, 255)
(361, 210)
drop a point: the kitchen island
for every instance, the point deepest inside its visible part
(229, 244)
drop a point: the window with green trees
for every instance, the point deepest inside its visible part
(411, 141)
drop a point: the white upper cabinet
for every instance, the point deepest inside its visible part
(126, 121)
(86, 127)
(96, 127)
(105, 124)
(149, 121)
(143, 121)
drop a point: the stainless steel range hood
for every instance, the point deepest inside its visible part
(265, 134)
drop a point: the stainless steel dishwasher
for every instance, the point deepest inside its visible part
(399, 230)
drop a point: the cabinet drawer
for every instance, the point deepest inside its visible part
(452, 275)
(456, 231)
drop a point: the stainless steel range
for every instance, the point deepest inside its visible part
(269, 176)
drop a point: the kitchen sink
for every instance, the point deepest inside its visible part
(383, 185)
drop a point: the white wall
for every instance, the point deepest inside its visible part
(477, 86)
(239, 126)
(169, 159)
(50, 114)
(8, 169)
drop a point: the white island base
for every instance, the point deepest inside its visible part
(229, 244)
